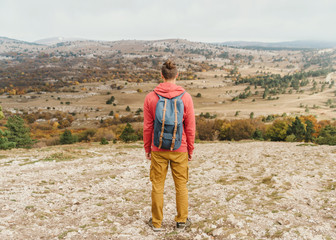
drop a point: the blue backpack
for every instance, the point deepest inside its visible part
(168, 125)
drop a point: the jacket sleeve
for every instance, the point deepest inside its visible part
(189, 123)
(148, 126)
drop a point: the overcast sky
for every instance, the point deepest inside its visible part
(195, 20)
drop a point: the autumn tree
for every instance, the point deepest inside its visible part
(277, 131)
(237, 130)
(207, 129)
(2, 116)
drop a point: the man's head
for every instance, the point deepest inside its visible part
(169, 70)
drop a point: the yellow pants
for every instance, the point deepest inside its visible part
(158, 171)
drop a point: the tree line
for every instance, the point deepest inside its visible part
(16, 133)
(290, 129)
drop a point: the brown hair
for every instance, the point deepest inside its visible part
(169, 70)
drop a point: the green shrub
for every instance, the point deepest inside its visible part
(86, 135)
(327, 135)
(67, 137)
(290, 138)
(128, 134)
(257, 135)
(110, 100)
(103, 141)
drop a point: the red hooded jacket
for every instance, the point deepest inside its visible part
(169, 90)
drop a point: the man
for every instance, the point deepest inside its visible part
(160, 157)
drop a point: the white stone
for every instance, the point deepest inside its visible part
(218, 232)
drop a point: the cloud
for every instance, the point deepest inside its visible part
(199, 20)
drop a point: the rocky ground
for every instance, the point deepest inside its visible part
(237, 190)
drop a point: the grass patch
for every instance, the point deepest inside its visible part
(241, 178)
(171, 233)
(228, 198)
(63, 234)
(274, 195)
(267, 180)
(307, 144)
(31, 162)
(222, 181)
(59, 157)
(330, 186)
(130, 146)
(277, 234)
(7, 163)
(30, 208)
(208, 230)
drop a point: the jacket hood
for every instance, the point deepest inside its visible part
(169, 90)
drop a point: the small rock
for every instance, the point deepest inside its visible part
(75, 201)
(231, 218)
(131, 231)
(213, 226)
(110, 218)
(232, 236)
(74, 208)
(198, 237)
(220, 221)
(218, 232)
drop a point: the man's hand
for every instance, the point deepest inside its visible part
(148, 156)
(189, 157)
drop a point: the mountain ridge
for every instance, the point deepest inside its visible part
(308, 44)
(285, 44)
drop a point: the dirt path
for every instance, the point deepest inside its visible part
(237, 190)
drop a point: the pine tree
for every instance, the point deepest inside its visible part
(298, 129)
(128, 134)
(67, 137)
(4, 143)
(309, 131)
(18, 132)
(265, 93)
(258, 135)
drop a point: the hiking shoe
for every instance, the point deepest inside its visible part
(150, 223)
(183, 225)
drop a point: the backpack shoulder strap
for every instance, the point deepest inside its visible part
(179, 96)
(160, 97)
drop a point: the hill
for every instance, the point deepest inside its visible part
(75, 77)
(282, 45)
(55, 40)
(237, 190)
